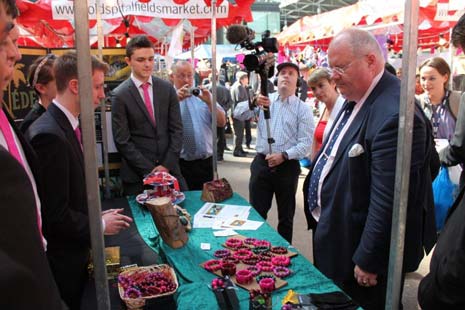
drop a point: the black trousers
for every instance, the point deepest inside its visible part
(221, 142)
(197, 172)
(69, 268)
(281, 181)
(239, 133)
(248, 132)
(373, 297)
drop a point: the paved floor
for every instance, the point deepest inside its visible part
(237, 171)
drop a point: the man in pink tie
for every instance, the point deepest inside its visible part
(146, 121)
(55, 138)
(23, 264)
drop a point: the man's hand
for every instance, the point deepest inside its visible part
(160, 168)
(115, 221)
(274, 159)
(263, 101)
(365, 278)
(205, 96)
(183, 92)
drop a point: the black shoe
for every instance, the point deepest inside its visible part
(239, 154)
(220, 158)
(244, 152)
(226, 148)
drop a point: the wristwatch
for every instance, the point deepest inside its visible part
(285, 156)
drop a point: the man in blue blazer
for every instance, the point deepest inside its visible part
(350, 188)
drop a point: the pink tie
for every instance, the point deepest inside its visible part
(10, 140)
(14, 151)
(77, 131)
(148, 102)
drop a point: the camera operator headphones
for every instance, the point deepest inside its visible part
(287, 64)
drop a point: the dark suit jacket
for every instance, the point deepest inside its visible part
(141, 144)
(23, 262)
(64, 203)
(36, 111)
(357, 194)
(66, 222)
(444, 286)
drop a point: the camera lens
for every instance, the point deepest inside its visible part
(195, 91)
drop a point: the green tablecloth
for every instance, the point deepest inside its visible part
(193, 292)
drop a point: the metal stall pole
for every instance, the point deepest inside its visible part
(81, 20)
(103, 110)
(192, 43)
(404, 149)
(213, 81)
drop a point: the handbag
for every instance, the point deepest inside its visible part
(444, 194)
(216, 190)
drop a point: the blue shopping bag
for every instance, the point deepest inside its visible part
(444, 195)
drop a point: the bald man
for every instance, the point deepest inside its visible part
(350, 187)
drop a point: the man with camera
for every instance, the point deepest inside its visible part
(196, 112)
(291, 127)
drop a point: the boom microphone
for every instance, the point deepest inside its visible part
(237, 34)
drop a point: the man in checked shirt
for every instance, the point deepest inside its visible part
(291, 126)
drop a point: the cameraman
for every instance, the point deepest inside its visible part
(291, 126)
(196, 112)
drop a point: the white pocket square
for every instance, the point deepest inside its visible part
(356, 150)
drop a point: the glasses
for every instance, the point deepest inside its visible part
(185, 76)
(341, 70)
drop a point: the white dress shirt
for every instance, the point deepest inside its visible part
(138, 84)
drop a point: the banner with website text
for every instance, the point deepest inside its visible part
(173, 9)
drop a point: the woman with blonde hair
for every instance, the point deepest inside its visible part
(324, 90)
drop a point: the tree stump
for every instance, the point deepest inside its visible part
(167, 221)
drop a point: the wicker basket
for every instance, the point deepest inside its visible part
(139, 303)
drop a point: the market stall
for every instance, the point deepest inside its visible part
(194, 290)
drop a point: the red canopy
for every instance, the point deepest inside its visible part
(38, 26)
(384, 17)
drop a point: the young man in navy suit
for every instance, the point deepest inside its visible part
(350, 188)
(55, 136)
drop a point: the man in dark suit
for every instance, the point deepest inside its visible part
(24, 267)
(444, 286)
(146, 121)
(350, 188)
(55, 136)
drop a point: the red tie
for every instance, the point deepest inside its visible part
(148, 102)
(14, 151)
(10, 140)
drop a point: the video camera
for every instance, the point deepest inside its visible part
(258, 60)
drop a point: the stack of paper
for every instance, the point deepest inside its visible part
(223, 216)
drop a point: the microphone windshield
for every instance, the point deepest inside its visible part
(236, 34)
